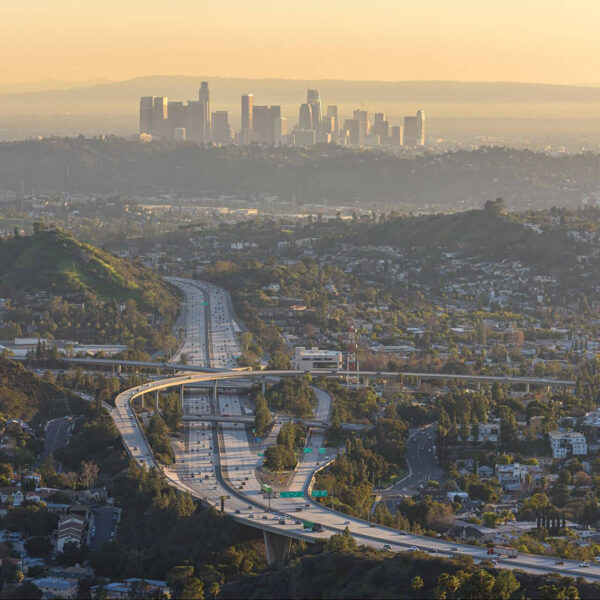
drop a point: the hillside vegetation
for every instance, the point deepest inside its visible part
(54, 261)
(25, 396)
(324, 174)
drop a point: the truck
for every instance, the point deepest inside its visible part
(312, 526)
(503, 551)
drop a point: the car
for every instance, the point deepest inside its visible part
(249, 506)
(298, 522)
(387, 547)
(559, 562)
(584, 564)
(251, 516)
(237, 511)
(282, 521)
(265, 518)
(454, 549)
(432, 550)
(299, 509)
(346, 522)
(371, 524)
(412, 549)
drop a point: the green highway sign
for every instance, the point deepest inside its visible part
(319, 493)
(322, 450)
(307, 450)
(260, 454)
(205, 304)
(291, 494)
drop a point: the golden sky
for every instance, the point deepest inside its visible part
(548, 41)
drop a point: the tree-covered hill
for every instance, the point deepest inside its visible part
(54, 261)
(331, 175)
(25, 396)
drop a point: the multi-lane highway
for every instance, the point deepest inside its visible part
(212, 465)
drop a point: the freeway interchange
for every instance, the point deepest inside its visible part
(219, 463)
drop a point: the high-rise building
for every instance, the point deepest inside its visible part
(362, 116)
(332, 113)
(351, 132)
(178, 116)
(146, 104)
(195, 121)
(381, 126)
(397, 135)
(204, 99)
(420, 128)
(247, 105)
(221, 132)
(305, 118)
(263, 119)
(281, 129)
(160, 114)
(313, 99)
(410, 131)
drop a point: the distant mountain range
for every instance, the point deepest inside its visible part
(396, 98)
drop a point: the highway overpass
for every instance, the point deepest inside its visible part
(416, 375)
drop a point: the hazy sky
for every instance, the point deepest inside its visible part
(550, 41)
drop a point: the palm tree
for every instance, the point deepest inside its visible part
(214, 589)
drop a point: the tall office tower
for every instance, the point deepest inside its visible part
(204, 99)
(397, 135)
(281, 129)
(381, 126)
(314, 101)
(195, 121)
(221, 132)
(362, 116)
(178, 117)
(352, 131)
(421, 128)
(332, 113)
(305, 119)
(410, 131)
(263, 120)
(146, 103)
(245, 135)
(160, 113)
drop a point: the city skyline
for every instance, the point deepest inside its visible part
(264, 124)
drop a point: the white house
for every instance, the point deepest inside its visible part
(567, 443)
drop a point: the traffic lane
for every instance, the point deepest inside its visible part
(57, 435)
(104, 523)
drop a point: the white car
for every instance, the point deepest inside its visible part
(584, 564)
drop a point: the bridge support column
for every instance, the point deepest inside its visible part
(143, 400)
(263, 384)
(478, 385)
(215, 390)
(181, 396)
(277, 546)
(418, 383)
(527, 388)
(156, 395)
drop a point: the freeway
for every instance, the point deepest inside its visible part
(212, 464)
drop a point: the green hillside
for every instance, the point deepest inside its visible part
(56, 262)
(25, 396)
